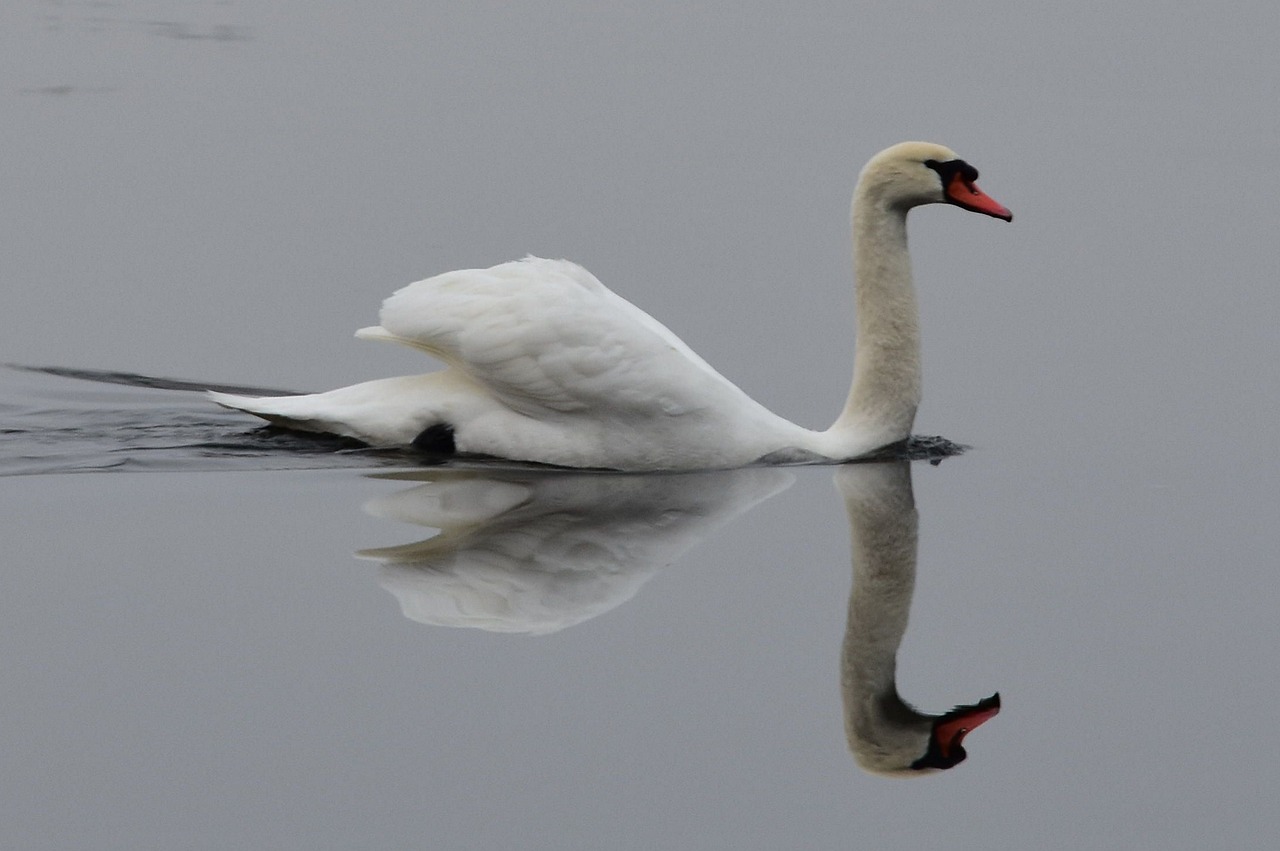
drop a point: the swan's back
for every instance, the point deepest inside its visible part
(549, 343)
(547, 334)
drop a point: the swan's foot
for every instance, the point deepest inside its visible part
(436, 441)
(917, 447)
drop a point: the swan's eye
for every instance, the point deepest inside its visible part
(951, 168)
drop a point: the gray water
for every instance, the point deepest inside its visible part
(197, 657)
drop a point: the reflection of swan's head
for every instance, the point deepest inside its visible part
(886, 734)
(894, 739)
(948, 731)
(913, 173)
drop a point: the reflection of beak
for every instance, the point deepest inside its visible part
(945, 742)
(965, 193)
(951, 729)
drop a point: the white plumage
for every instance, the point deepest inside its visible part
(886, 734)
(533, 552)
(546, 364)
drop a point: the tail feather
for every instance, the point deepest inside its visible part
(382, 412)
(273, 409)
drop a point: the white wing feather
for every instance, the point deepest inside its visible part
(546, 336)
(545, 363)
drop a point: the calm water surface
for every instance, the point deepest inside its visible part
(295, 658)
(217, 637)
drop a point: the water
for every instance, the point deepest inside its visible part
(220, 636)
(263, 656)
(126, 422)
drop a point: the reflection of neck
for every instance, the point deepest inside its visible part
(883, 731)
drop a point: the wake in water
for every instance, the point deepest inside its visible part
(117, 421)
(120, 421)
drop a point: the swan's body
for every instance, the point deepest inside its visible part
(546, 364)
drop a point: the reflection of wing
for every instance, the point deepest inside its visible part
(535, 553)
(886, 734)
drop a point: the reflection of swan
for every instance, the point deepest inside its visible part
(535, 553)
(545, 364)
(886, 735)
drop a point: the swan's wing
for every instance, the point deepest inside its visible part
(546, 335)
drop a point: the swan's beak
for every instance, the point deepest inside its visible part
(955, 725)
(945, 743)
(965, 193)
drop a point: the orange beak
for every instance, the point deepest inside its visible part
(951, 732)
(965, 193)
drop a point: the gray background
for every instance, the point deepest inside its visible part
(227, 190)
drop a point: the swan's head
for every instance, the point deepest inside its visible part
(895, 740)
(913, 173)
(945, 749)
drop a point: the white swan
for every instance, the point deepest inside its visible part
(545, 364)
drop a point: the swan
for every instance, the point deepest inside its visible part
(545, 364)
(887, 735)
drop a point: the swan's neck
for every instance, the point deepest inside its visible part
(886, 368)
